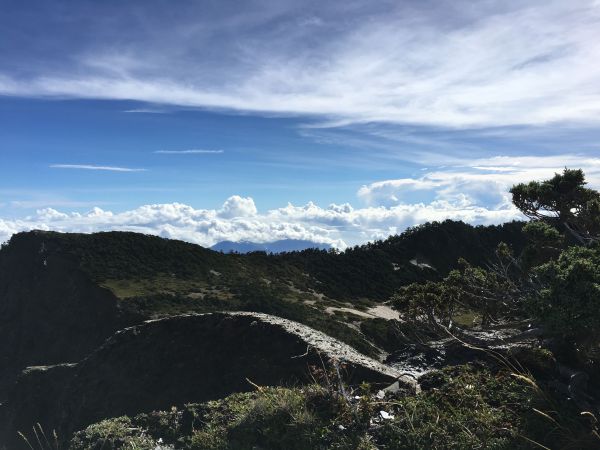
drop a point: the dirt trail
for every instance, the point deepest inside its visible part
(327, 345)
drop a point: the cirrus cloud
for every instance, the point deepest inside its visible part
(459, 64)
(187, 152)
(95, 167)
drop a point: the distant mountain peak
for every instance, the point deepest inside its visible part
(280, 246)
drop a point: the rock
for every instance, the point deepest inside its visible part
(177, 360)
(50, 311)
(391, 389)
(386, 415)
(417, 359)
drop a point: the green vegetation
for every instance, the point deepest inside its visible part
(462, 407)
(132, 264)
(156, 277)
(468, 291)
(256, 297)
(564, 197)
(386, 334)
(569, 303)
(443, 278)
(375, 270)
(555, 284)
(562, 200)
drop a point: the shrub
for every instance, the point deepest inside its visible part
(569, 304)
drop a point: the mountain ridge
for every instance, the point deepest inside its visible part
(63, 295)
(279, 246)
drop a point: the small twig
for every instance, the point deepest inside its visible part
(303, 355)
(256, 386)
(25, 439)
(37, 438)
(44, 435)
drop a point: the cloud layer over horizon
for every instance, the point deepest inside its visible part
(238, 220)
(460, 193)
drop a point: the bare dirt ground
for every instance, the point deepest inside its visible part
(379, 311)
(384, 312)
(356, 312)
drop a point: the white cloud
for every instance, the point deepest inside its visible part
(93, 167)
(483, 181)
(187, 152)
(391, 192)
(473, 191)
(238, 220)
(458, 64)
(146, 111)
(237, 206)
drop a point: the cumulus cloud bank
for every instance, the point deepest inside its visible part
(338, 225)
(475, 192)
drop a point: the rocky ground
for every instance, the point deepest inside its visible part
(176, 360)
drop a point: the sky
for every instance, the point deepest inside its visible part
(339, 122)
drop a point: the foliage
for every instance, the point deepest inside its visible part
(562, 282)
(260, 298)
(563, 199)
(543, 234)
(256, 297)
(118, 433)
(545, 243)
(376, 270)
(125, 255)
(133, 264)
(461, 407)
(387, 334)
(563, 196)
(569, 303)
(427, 299)
(550, 282)
(492, 293)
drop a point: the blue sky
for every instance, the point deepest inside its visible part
(262, 120)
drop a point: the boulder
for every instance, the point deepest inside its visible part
(177, 360)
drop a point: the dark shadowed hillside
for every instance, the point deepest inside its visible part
(62, 294)
(50, 310)
(376, 269)
(95, 326)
